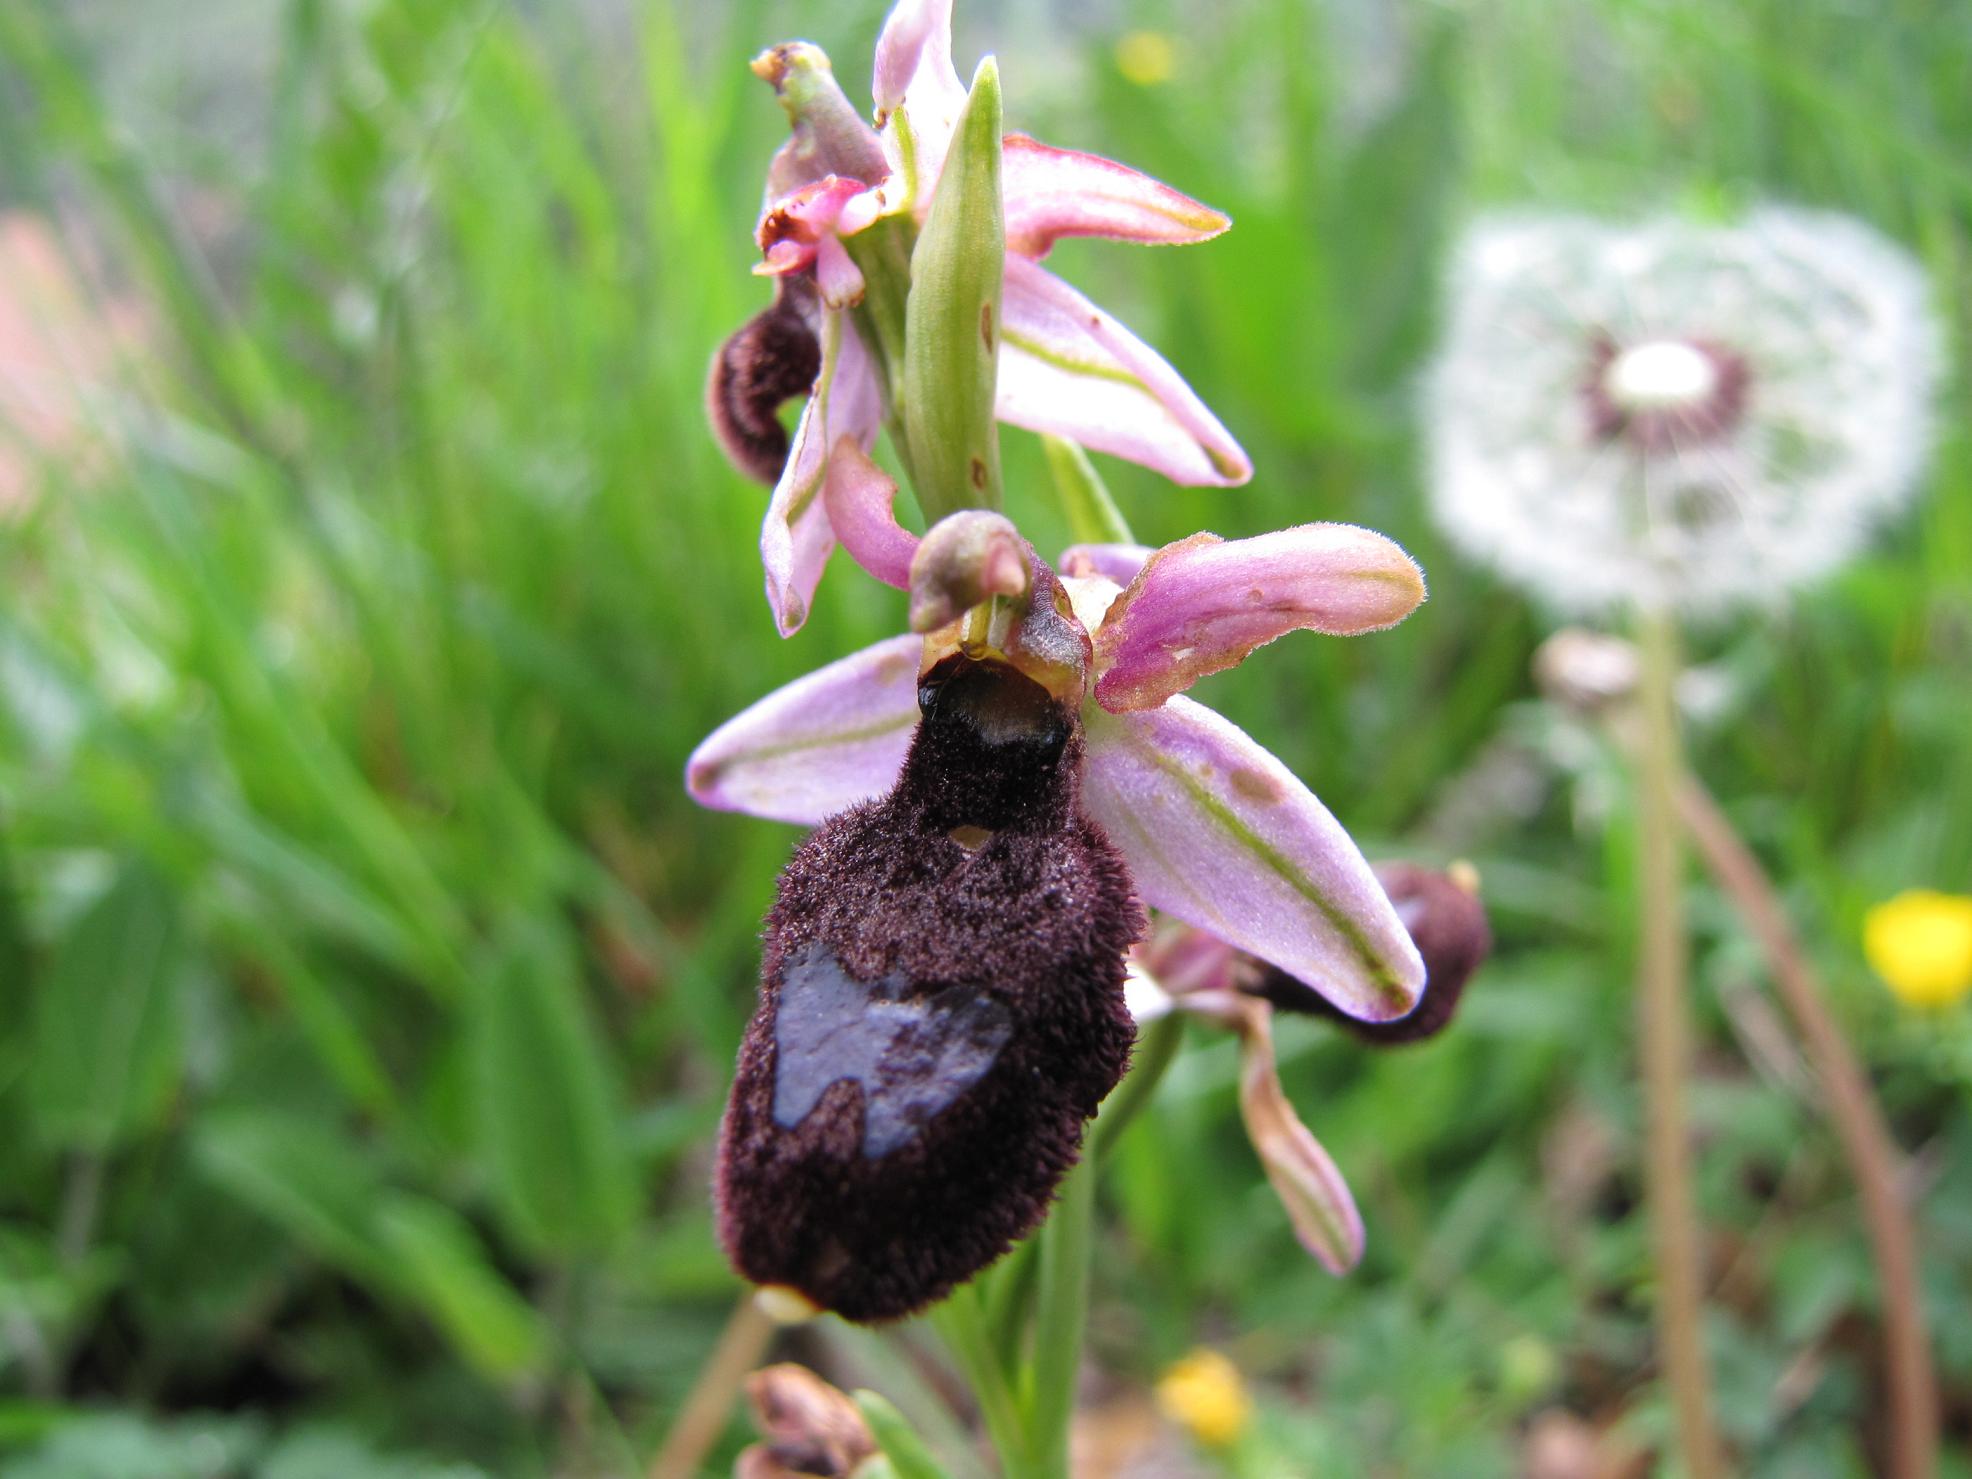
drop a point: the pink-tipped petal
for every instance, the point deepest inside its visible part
(918, 98)
(1204, 603)
(795, 537)
(1221, 834)
(1069, 368)
(817, 746)
(1117, 562)
(839, 278)
(1051, 193)
(1304, 1177)
(861, 500)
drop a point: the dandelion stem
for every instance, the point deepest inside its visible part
(741, 1347)
(1858, 1122)
(1664, 1031)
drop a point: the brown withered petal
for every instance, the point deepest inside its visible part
(810, 1427)
(774, 357)
(1448, 924)
(941, 1011)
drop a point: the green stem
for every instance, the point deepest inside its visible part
(961, 1321)
(1664, 1034)
(1061, 1309)
(1155, 1051)
(1093, 517)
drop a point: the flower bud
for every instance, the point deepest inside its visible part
(1448, 925)
(967, 558)
(811, 1428)
(941, 1011)
(952, 329)
(830, 136)
(774, 357)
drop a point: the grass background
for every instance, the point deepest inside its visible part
(370, 984)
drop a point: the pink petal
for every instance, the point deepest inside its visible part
(918, 97)
(819, 745)
(1117, 562)
(1304, 1177)
(1069, 368)
(1204, 603)
(1052, 193)
(1221, 834)
(795, 538)
(838, 277)
(860, 497)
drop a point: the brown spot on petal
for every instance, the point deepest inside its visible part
(1256, 785)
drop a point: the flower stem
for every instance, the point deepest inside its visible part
(1858, 1122)
(741, 1347)
(1093, 517)
(1664, 1032)
(1155, 1051)
(1061, 1308)
(961, 1321)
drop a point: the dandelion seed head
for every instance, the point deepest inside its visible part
(1675, 415)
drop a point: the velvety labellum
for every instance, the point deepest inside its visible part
(941, 1011)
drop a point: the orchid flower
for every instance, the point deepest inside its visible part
(943, 982)
(1188, 970)
(1065, 366)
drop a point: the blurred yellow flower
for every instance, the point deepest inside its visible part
(1205, 1395)
(1146, 57)
(1920, 943)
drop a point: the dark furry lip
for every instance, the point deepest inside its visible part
(941, 1012)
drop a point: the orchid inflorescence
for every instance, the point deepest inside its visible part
(950, 965)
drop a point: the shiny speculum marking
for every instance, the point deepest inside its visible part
(912, 1055)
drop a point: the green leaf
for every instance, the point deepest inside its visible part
(313, 1183)
(106, 1034)
(440, 1262)
(549, 1122)
(908, 1456)
(952, 325)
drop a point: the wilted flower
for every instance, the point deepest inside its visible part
(942, 995)
(1675, 415)
(812, 1430)
(1065, 366)
(1206, 1396)
(1190, 970)
(1920, 943)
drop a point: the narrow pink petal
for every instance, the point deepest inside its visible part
(1221, 834)
(1069, 368)
(823, 743)
(1304, 1177)
(918, 98)
(1051, 193)
(838, 277)
(1204, 603)
(1117, 562)
(861, 501)
(795, 537)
